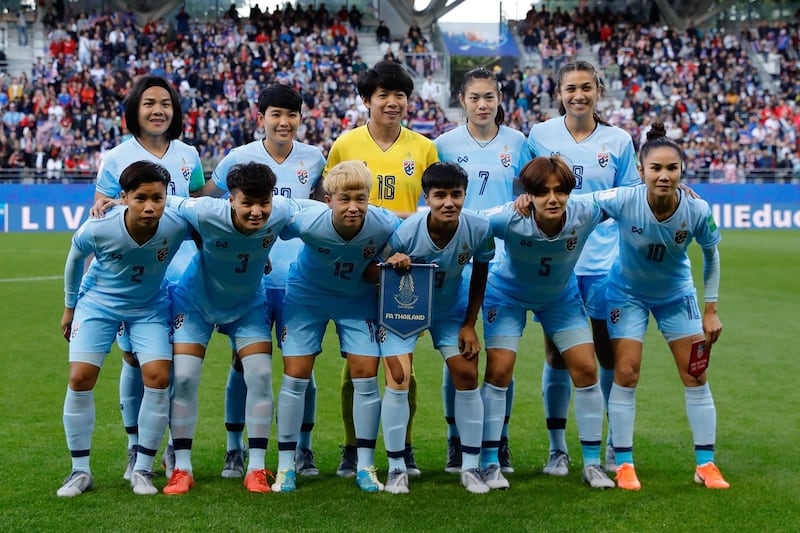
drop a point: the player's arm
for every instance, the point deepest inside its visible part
(73, 273)
(468, 341)
(712, 326)
(209, 189)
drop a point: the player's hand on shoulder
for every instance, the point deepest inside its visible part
(522, 205)
(102, 205)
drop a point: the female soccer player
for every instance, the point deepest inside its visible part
(492, 155)
(122, 289)
(535, 272)
(601, 156)
(653, 274)
(153, 116)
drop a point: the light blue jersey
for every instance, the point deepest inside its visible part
(329, 269)
(224, 278)
(492, 169)
(181, 161)
(124, 277)
(535, 269)
(653, 262)
(603, 160)
(473, 238)
(298, 175)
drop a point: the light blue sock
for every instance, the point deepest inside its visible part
(606, 380)
(290, 415)
(589, 419)
(556, 392)
(702, 416)
(186, 371)
(131, 390)
(494, 411)
(509, 406)
(621, 415)
(448, 402)
(153, 419)
(78, 421)
(394, 418)
(258, 406)
(235, 399)
(366, 417)
(309, 414)
(469, 416)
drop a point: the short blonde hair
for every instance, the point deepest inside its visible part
(348, 176)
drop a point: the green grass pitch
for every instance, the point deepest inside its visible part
(752, 375)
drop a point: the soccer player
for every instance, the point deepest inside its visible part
(653, 275)
(341, 241)
(492, 154)
(448, 237)
(397, 157)
(298, 170)
(601, 156)
(153, 116)
(222, 288)
(123, 288)
(535, 273)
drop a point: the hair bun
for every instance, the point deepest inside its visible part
(657, 130)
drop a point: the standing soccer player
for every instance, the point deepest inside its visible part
(397, 157)
(492, 155)
(123, 288)
(222, 288)
(298, 171)
(448, 237)
(601, 156)
(341, 241)
(653, 274)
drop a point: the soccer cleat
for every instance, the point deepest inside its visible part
(131, 463)
(611, 459)
(397, 483)
(472, 481)
(142, 483)
(710, 476)
(626, 477)
(285, 481)
(367, 480)
(348, 465)
(256, 481)
(77, 483)
(494, 478)
(168, 461)
(453, 465)
(234, 464)
(557, 465)
(180, 482)
(504, 456)
(594, 476)
(304, 463)
(411, 464)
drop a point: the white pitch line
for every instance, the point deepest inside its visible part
(35, 278)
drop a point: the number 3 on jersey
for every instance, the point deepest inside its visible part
(385, 187)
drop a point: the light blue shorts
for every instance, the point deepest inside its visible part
(190, 325)
(356, 326)
(677, 317)
(564, 320)
(444, 334)
(593, 292)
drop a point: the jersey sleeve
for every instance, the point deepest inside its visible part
(707, 233)
(609, 201)
(485, 253)
(198, 177)
(108, 179)
(627, 172)
(220, 174)
(82, 246)
(189, 208)
(499, 218)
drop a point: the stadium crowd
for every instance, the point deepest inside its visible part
(704, 84)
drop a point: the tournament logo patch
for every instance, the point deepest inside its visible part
(614, 314)
(162, 253)
(302, 175)
(409, 166)
(177, 323)
(505, 159)
(267, 241)
(571, 243)
(603, 158)
(680, 236)
(491, 314)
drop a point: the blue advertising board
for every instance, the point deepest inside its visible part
(478, 39)
(64, 207)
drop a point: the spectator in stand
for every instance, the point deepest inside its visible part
(382, 33)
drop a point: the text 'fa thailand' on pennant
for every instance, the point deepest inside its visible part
(406, 299)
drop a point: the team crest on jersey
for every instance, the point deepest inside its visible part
(177, 323)
(571, 243)
(409, 166)
(491, 314)
(614, 314)
(302, 175)
(162, 253)
(267, 241)
(463, 257)
(505, 159)
(680, 236)
(369, 250)
(186, 172)
(603, 158)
